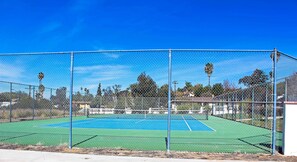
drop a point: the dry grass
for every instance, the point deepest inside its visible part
(18, 114)
(159, 154)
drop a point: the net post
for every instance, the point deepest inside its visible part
(169, 102)
(88, 113)
(70, 99)
(274, 100)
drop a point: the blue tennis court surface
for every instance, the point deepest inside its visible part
(140, 124)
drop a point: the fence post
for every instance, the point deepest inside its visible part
(169, 102)
(223, 106)
(142, 103)
(33, 104)
(10, 102)
(70, 99)
(228, 107)
(235, 105)
(241, 105)
(274, 101)
(286, 89)
(253, 104)
(266, 99)
(51, 93)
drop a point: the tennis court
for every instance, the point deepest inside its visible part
(136, 124)
(213, 135)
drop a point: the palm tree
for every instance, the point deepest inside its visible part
(208, 70)
(278, 54)
(40, 76)
(41, 87)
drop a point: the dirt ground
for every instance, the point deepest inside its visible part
(160, 154)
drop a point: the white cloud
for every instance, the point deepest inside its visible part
(227, 69)
(92, 75)
(101, 69)
(10, 72)
(108, 55)
(108, 75)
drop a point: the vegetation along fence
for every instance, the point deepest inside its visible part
(202, 100)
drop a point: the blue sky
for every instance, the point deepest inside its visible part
(33, 26)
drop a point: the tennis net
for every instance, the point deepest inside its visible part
(146, 114)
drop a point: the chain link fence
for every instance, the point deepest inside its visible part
(23, 102)
(182, 100)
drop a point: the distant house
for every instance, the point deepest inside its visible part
(187, 93)
(203, 101)
(82, 104)
(7, 103)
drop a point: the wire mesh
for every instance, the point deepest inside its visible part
(221, 100)
(33, 92)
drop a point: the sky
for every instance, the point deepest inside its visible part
(83, 25)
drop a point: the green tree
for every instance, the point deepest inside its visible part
(121, 104)
(198, 90)
(145, 86)
(116, 88)
(217, 89)
(144, 92)
(208, 69)
(88, 97)
(96, 102)
(163, 94)
(163, 91)
(107, 98)
(292, 87)
(206, 92)
(188, 86)
(99, 93)
(77, 96)
(60, 99)
(258, 77)
(4, 97)
(228, 86)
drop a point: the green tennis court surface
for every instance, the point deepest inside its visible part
(229, 136)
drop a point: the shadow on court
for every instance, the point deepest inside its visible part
(249, 144)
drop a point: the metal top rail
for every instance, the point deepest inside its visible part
(23, 84)
(292, 57)
(136, 50)
(216, 101)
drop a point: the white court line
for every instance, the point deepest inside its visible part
(203, 123)
(140, 121)
(187, 123)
